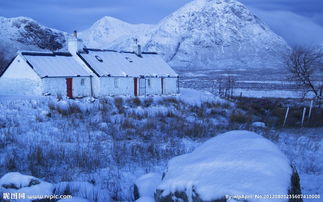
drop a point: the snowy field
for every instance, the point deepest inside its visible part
(107, 144)
(253, 83)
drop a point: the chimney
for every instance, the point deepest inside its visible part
(139, 51)
(75, 34)
(74, 44)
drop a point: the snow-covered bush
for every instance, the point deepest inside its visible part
(15, 182)
(234, 163)
(83, 190)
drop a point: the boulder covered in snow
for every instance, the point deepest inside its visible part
(231, 164)
(15, 182)
(258, 125)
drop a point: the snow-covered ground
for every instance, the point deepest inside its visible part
(266, 93)
(304, 147)
(111, 142)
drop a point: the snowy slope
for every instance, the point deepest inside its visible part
(202, 34)
(107, 30)
(24, 33)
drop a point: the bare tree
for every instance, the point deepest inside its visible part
(226, 84)
(305, 66)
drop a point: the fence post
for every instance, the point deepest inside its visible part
(310, 111)
(286, 115)
(303, 117)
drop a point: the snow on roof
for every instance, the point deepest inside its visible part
(234, 163)
(108, 62)
(54, 64)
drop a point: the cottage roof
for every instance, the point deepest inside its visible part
(54, 64)
(113, 63)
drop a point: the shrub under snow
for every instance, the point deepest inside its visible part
(234, 163)
(15, 182)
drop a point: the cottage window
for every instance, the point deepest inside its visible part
(82, 82)
(116, 83)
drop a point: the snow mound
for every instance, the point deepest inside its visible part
(15, 182)
(233, 163)
(258, 124)
(146, 185)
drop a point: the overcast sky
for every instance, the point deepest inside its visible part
(298, 21)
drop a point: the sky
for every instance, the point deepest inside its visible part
(300, 22)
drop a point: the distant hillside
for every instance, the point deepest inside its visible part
(23, 33)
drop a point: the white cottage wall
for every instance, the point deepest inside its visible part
(55, 86)
(153, 86)
(81, 87)
(116, 86)
(170, 85)
(20, 79)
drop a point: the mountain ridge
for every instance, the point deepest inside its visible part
(203, 34)
(206, 34)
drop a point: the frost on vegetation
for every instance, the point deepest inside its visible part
(83, 190)
(123, 136)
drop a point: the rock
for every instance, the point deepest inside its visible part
(258, 125)
(15, 182)
(233, 163)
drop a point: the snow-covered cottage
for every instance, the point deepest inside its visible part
(46, 73)
(130, 73)
(89, 72)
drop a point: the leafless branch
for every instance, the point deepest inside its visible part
(305, 66)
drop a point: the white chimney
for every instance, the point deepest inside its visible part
(74, 44)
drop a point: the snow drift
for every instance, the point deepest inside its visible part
(234, 163)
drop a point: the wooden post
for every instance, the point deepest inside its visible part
(303, 117)
(286, 115)
(310, 111)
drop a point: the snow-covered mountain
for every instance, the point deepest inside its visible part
(24, 33)
(108, 30)
(202, 34)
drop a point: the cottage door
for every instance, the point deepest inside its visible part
(142, 86)
(69, 88)
(135, 86)
(162, 85)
